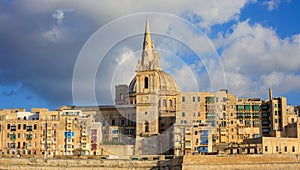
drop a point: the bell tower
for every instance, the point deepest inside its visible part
(155, 95)
(147, 117)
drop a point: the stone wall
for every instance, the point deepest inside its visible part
(13, 163)
(192, 162)
(122, 151)
(196, 162)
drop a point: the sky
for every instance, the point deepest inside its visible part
(70, 52)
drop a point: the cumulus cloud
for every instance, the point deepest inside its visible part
(256, 58)
(251, 54)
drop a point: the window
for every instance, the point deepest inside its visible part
(293, 121)
(114, 131)
(224, 99)
(170, 103)
(277, 148)
(19, 126)
(198, 98)
(247, 107)
(126, 131)
(121, 96)
(183, 99)
(194, 99)
(275, 105)
(266, 148)
(146, 81)
(24, 126)
(293, 148)
(164, 103)
(34, 126)
(224, 107)
(13, 128)
(183, 114)
(122, 122)
(285, 148)
(240, 107)
(276, 112)
(19, 135)
(247, 123)
(146, 126)
(198, 114)
(8, 126)
(275, 120)
(113, 122)
(255, 107)
(217, 99)
(196, 132)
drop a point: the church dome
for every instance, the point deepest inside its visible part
(166, 83)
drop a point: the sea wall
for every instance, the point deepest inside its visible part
(196, 162)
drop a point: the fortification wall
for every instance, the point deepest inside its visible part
(196, 162)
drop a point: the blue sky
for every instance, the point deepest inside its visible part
(257, 42)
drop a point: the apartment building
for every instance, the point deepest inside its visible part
(44, 133)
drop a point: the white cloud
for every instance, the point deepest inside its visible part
(256, 59)
(274, 4)
(125, 65)
(59, 14)
(211, 12)
(54, 34)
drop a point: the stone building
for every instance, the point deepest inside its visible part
(154, 116)
(44, 133)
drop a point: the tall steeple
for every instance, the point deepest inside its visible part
(150, 58)
(147, 37)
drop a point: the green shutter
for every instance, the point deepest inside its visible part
(256, 107)
(247, 107)
(240, 107)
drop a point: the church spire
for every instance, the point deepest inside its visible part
(150, 58)
(147, 37)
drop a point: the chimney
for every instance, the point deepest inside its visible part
(270, 94)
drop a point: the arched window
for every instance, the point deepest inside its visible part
(170, 103)
(146, 82)
(164, 103)
(146, 126)
(121, 96)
